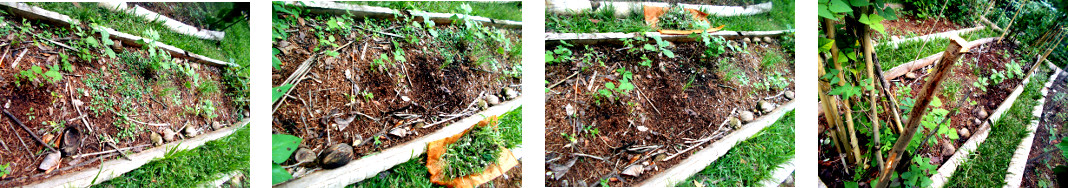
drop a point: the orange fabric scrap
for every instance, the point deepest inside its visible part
(435, 164)
(653, 13)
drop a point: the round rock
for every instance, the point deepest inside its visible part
(336, 156)
(789, 95)
(190, 131)
(493, 100)
(910, 75)
(746, 116)
(156, 139)
(734, 122)
(747, 40)
(168, 135)
(509, 93)
(982, 113)
(965, 132)
(765, 106)
(767, 39)
(304, 155)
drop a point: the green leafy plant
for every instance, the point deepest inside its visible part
(379, 64)
(981, 83)
(559, 55)
(662, 45)
(624, 87)
(35, 73)
(5, 169)
(1013, 70)
(472, 153)
(279, 92)
(677, 18)
(282, 146)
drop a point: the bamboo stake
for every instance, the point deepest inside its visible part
(830, 104)
(885, 85)
(866, 37)
(852, 139)
(1003, 33)
(953, 52)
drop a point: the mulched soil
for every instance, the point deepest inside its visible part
(671, 114)
(180, 11)
(435, 94)
(986, 58)
(512, 178)
(907, 25)
(52, 102)
(1044, 154)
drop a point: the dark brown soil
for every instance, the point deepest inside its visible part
(906, 26)
(51, 102)
(512, 178)
(712, 2)
(671, 114)
(435, 93)
(985, 58)
(1044, 154)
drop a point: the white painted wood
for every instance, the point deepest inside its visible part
(1015, 174)
(325, 7)
(698, 161)
(116, 167)
(174, 25)
(780, 174)
(929, 37)
(370, 166)
(622, 9)
(32, 12)
(594, 38)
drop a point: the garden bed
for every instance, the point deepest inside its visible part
(906, 26)
(372, 82)
(59, 79)
(1016, 167)
(996, 98)
(1044, 156)
(692, 96)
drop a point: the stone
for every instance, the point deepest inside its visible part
(168, 135)
(191, 131)
(948, 149)
(982, 113)
(492, 100)
(734, 122)
(304, 155)
(767, 39)
(335, 156)
(747, 40)
(910, 75)
(789, 95)
(765, 106)
(405, 98)
(634, 170)
(156, 139)
(642, 128)
(965, 132)
(482, 104)
(756, 40)
(746, 116)
(216, 125)
(509, 93)
(50, 161)
(978, 122)
(570, 110)
(72, 141)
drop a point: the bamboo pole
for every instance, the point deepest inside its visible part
(852, 139)
(830, 103)
(1003, 33)
(873, 96)
(953, 52)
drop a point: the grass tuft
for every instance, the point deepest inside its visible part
(194, 167)
(752, 160)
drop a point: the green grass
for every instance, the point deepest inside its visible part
(781, 17)
(752, 160)
(993, 156)
(494, 10)
(890, 57)
(414, 172)
(188, 168)
(91, 13)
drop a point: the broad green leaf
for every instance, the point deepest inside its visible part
(825, 44)
(549, 57)
(282, 146)
(278, 92)
(859, 3)
(279, 174)
(669, 53)
(823, 11)
(839, 6)
(610, 85)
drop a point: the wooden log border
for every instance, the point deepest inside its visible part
(699, 160)
(325, 7)
(933, 36)
(615, 38)
(116, 167)
(1015, 174)
(370, 166)
(172, 24)
(36, 13)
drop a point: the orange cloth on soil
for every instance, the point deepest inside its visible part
(653, 13)
(434, 164)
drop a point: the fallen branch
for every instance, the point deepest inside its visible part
(110, 151)
(18, 59)
(647, 99)
(27, 129)
(590, 156)
(562, 81)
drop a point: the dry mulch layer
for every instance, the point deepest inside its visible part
(105, 90)
(984, 59)
(906, 26)
(385, 106)
(655, 120)
(1044, 154)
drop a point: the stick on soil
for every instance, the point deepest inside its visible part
(27, 129)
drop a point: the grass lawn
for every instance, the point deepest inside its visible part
(891, 57)
(496, 10)
(414, 172)
(752, 160)
(781, 17)
(987, 166)
(189, 168)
